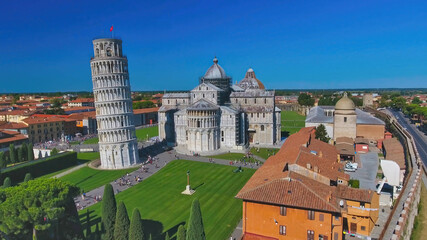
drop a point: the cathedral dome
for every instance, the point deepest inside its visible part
(215, 71)
(345, 103)
(250, 81)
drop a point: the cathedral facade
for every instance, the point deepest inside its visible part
(217, 115)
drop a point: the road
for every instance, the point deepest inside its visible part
(419, 137)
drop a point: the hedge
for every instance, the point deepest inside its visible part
(39, 168)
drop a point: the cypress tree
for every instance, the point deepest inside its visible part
(167, 236)
(20, 155)
(7, 182)
(28, 177)
(109, 209)
(3, 162)
(195, 230)
(40, 155)
(12, 153)
(97, 233)
(121, 229)
(136, 230)
(24, 152)
(88, 230)
(181, 233)
(30, 152)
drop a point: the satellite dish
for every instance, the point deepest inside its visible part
(341, 203)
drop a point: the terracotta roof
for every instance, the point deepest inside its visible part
(346, 140)
(82, 115)
(361, 141)
(82, 100)
(274, 183)
(145, 110)
(17, 112)
(12, 136)
(394, 151)
(345, 149)
(354, 193)
(37, 120)
(12, 125)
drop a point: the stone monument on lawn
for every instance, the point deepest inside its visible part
(188, 190)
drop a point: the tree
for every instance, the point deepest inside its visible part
(12, 153)
(321, 133)
(30, 152)
(180, 235)
(88, 226)
(36, 206)
(28, 177)
(40, 154)
(24, 152)
(416, 100)
(195, 229)
(3, 162)
(167, 236)
(136, 229)
(121, 229)
(53, 152)
(7, 182)
(305, 100)
(20, 155)
(109, 209)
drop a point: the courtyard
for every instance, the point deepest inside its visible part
(164, 208)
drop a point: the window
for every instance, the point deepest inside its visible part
(310, 235)
(255, 100)
(262, 127)
(198, 123)
(263, 115)
(363, 228)
(335, 236)
(265, 100)
(213, 95)
(246, 101)
(109, 52)
(252, 115)
(222, 136)
(321, 217)
(236, 100)
(282, 230)
(310, 214)
(203, 95)
(283, 211)
(257, 115)
(337, 218)
(345, 119)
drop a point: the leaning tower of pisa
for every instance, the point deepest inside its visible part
(118, 146)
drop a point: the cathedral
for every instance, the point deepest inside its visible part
(217, 115)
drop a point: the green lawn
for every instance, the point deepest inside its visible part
(420, 224)
(94, 140)
(233, 156)
(163, 207)
(141, 134)
(264, 152)
(87, 178)
(292, 122)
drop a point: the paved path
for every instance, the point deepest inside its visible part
(69, 170)
(130, 179)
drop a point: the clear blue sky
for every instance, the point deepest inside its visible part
(47, 45)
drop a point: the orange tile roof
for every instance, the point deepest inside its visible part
(82, 100)
(145, 110)
(274, 183)
(79, 108)
(13, 136)
(394, 151)
(38, 120)
(12, 125)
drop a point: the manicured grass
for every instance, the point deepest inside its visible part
(420, 224)
(264, 152)
(82, 159)
(233, 157)
(141, 134)
(292, 122)
(87, 178)
(164, 208)
(94, 140)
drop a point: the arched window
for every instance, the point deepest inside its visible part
(246, 101)
(263, 115)
(265, 100)
(255, 100)
(262, 127)
(97, 52)
(109, 52)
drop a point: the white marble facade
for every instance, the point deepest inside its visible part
(216, 115)
(118, 146)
